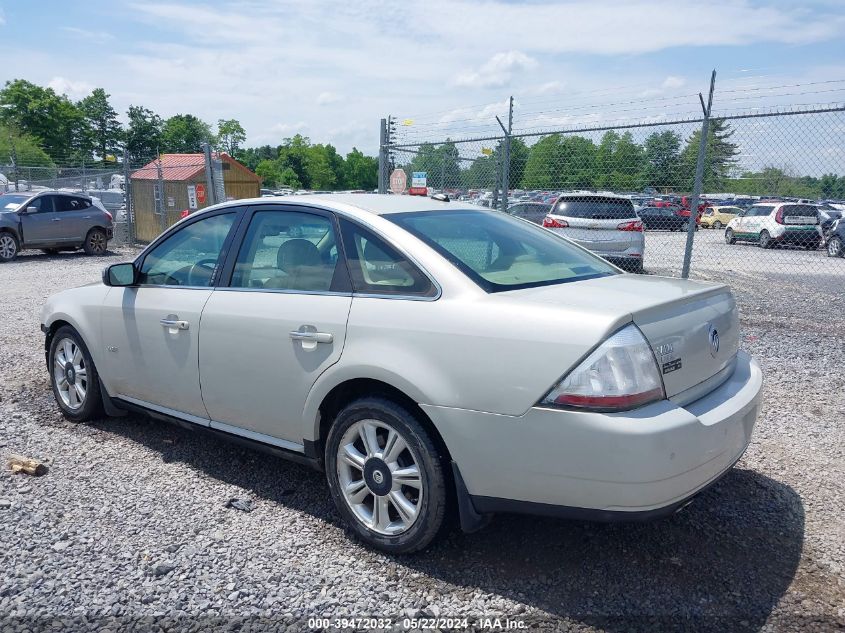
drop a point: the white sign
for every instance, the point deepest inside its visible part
(171, 201)
(192, 197)
(418, 179)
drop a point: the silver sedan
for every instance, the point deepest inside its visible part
(431, 357)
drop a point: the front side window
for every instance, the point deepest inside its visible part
(190, 256)
(501, 253)
(377, 268)
(287, 250)
(43, 204)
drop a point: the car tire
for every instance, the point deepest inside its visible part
(729, 236)
(835, 248)
(9, 246)
(765, 239)
(76, 389)
(717, 225)
(96, 242)
(391, 517)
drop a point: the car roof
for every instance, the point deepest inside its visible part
(376, 204)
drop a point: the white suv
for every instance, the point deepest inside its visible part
(771, 223)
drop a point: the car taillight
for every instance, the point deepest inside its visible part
(779, 216)
(620, 374)
(553, 223)
(634, 225)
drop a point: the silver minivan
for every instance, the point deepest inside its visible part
(604, 223)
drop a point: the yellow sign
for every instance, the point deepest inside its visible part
(487, 151)
(408, 122)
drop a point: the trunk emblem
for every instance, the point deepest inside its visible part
(714, 341)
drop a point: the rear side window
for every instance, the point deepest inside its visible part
(70, 203)
(595, 208)
(377, 268)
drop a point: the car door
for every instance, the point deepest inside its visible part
(40, 227)
(276, 324)
(76, 217)
(150, 330)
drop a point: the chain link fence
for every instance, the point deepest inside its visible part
(723, 195)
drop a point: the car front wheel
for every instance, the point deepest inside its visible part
(8, 247)
(386, 475)
(717, 225)
(73, 376)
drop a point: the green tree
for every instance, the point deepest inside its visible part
(252, 156)
(22, 148)
(144, 134)
(185, 134)
(719, 159)
(360, 171)
(481, 174)
(105, 133)
(52, 120)
(662, 160)
(561, 162)
(230, 135)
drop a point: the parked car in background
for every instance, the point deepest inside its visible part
(112, 200)
(603, 223)
(532, 211)
(835, 239)
(433, 358)
(52, 221)
(776, 223)
(717, 217)
(827, 216)
(668, 218)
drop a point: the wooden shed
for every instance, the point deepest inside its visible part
(185, 187)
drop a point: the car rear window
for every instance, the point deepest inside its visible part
(592, 208)
(500, 252)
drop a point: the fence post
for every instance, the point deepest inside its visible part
(84, 179)
(699, 177)
(209, 174)
(506, 166)
(160, 203)
(127, 198)
(382, 157)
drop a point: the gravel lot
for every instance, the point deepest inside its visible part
(129, 529)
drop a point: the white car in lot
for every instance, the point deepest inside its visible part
(431, 357)
(776, 223)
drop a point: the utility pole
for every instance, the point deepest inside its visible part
(506, 165)
(699, 176)
(209, 174)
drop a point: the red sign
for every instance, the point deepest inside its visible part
(398, 181)
(201, 193)
(418, 191)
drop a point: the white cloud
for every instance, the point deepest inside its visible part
(496, 71)
(73, 89)
(325, 98)
(673, 82)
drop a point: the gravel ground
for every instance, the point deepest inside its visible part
(129, 529)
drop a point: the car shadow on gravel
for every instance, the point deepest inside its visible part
(722, 563)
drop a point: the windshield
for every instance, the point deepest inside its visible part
(499, 252)
(11, 201)
(593, 208)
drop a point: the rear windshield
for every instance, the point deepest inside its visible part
(591, 208)
(499, 252)
(802, 210)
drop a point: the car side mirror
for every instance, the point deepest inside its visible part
(29, 209)
(120, 274)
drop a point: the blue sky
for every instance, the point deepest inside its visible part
(330, 70)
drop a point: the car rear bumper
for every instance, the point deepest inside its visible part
(799, 236)
(607, 466)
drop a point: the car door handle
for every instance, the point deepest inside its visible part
(174, 324)
(312, 337)
(56, 220)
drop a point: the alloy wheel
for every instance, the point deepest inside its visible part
(70, 373)
(97, 242)
(717, 225)
(834, 247)
(8, 247)
(380, 477)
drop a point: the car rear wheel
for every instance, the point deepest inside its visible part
(8, 247)
(765, 239)
(95, 242)
(835, 248)
(729, 236)
(717, 225)
(74, 377)
(386, 475)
